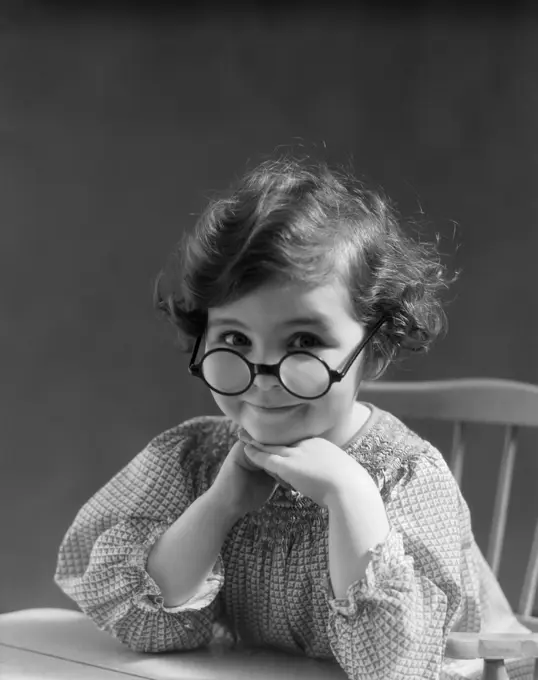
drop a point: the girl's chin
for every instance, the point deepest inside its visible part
(268, 436)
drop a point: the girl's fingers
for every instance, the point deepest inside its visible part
(265, 461)
(252, 450)
(271, 450)
(242, 435)
(260, 458)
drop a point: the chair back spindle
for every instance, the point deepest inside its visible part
(530, 583)
(502, 498)
(457, 453)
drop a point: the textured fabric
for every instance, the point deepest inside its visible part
(270, 585)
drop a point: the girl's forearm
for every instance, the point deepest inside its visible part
(357, 523)
(182, 558)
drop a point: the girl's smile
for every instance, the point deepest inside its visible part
(274, 412)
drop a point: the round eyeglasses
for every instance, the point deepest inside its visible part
(302, 374)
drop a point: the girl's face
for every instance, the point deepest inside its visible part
(271, 321)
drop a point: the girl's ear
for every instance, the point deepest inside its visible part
(372, 371)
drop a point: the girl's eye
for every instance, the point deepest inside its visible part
(300, 341)
(307, 341)
(233, 338)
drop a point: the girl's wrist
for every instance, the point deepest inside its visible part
(359, 488)
(226, 511)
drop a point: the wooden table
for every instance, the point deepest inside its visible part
(60, 643)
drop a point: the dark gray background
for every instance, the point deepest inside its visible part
(115, 127)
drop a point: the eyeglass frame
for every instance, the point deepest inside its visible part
(195, 369)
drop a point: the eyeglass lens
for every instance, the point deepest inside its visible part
(303, 375)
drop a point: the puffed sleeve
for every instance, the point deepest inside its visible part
(102, 559)
(394, 622)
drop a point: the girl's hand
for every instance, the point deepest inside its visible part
(315, 467)
(240, 485)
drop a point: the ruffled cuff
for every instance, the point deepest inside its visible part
(206, 594)
(388, 567)
(148, 595)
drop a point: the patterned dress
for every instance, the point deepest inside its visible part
(270, 585)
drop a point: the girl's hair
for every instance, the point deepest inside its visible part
(291, 220)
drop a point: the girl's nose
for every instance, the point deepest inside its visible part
(266, 382)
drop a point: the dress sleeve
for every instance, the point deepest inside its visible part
(394, 622)
(102, 559)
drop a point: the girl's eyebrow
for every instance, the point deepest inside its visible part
(321, 322)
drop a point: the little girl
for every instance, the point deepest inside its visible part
(302, 519)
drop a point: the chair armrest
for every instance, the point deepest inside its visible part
(492, 645)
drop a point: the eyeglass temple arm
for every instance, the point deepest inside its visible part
(194, 368)
(359, 349)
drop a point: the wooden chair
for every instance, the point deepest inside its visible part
(486, 401)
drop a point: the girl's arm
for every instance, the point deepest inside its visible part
(102, 561)
(357, 522)
(183, 557)
(402, 600)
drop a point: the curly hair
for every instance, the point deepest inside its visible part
(291, 220)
